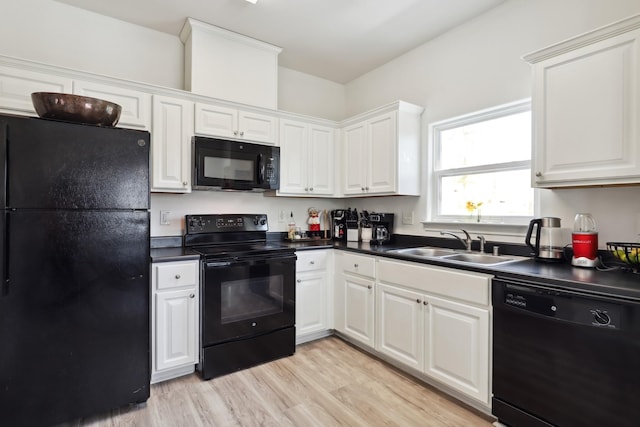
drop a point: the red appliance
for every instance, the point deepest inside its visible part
(584, 240)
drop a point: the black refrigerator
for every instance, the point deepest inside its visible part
(74, 260)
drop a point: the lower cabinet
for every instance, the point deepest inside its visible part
(174, 313)
(436, 321)
(355, 297)
(313, 294)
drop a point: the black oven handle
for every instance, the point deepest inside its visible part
(249, 260)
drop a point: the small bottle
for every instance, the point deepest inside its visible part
(292, 227)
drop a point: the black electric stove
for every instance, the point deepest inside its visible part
(247, 312)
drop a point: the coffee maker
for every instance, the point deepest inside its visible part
(339, 224)
(381, 227)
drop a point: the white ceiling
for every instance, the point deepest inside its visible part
(338, 40)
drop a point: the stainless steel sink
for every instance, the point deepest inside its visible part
(483, 259)
(427, 252)
(453, 256)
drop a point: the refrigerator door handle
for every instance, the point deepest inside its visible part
(4, 258)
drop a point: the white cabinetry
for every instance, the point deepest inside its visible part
(586, 95)
(171, 145)
(436, 320)
(355, 283)
(229, 122)
(382, 152)
(313, 294)
(136, 105)
(17, 84)
(307, 159)
(174, 313)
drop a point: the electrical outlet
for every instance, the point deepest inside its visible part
(407, 218)
(282, 217)
(164, 218)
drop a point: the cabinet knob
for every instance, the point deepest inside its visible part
(242, 133)
(178, 277)
(362, 188)
(192, 295)
(418, 300)
(306, 189)
(425, 303)
(185, 183)
(312, 262)
(355, 265)
(369, 287)
(299, 280)
(366, 188)
(235, 132)
(538, 174)
(311, 189)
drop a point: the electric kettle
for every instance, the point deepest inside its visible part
(549, 239)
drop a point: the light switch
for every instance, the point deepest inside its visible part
(407, 218)
(164, 217)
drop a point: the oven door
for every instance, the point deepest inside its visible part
(247, 297)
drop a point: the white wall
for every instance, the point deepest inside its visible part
(57, 34)
(478, 65)
(309, 95)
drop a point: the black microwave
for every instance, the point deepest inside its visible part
(220, 164)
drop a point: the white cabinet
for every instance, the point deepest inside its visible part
(313, 294)
(17, 84)
(382, 152)
(174, 313)
(436, 320)
(229, 122)
(307, 159)
(136, 105)
(355, 297)
(171, 145)
(586, 94)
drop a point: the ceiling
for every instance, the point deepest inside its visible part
(338, 40)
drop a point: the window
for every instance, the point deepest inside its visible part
(481, 170)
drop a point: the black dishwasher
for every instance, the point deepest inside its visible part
(564, 358)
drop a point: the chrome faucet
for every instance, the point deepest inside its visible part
(466, 241)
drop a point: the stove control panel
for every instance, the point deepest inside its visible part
(222, 223)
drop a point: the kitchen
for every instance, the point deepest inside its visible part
(486, 70)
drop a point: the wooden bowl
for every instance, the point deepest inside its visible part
(76, 108)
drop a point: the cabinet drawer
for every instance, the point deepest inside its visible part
(311, 260)
(357, 264)
(176, 274)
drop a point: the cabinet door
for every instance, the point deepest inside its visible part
(215, 120)
(171, 145)
(382, 160)
(136, 105)
(311, 303)
(586, 115)
(356, 154)
(293, 156)
(257, 127)
(358, 309)
(399, 318)
(457, 346)
(176, 337)
(16, 86)
(321, 160)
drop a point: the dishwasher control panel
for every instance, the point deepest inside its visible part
(564, 306)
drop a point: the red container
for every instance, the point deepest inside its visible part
(585, 245)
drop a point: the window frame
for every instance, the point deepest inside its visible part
(435, 174)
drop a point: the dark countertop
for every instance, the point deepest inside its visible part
(616, 283)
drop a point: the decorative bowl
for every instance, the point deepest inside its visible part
(76, 108)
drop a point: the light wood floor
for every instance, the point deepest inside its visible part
(326, 383)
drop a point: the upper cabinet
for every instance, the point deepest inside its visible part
(229, 122)
(307, 159)
(17, 84)
(171, 145)
(381, 152)
(586, 115)
(136, 105)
